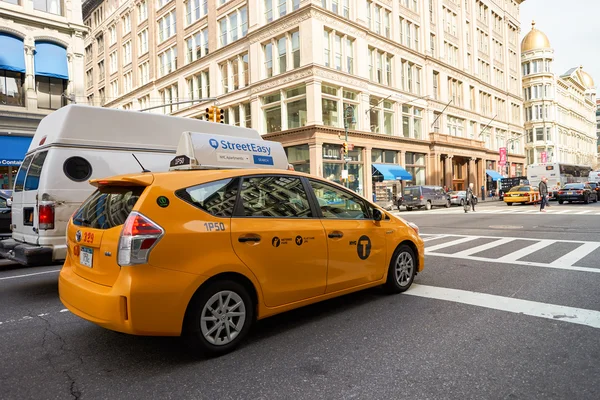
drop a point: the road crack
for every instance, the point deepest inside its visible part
(48, 333)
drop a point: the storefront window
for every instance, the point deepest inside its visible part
(415, 165)
(333, 165)
(299, 157)
(384, 156)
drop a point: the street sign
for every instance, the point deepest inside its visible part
(350, 146)
(502, 160)
(345, 174)
(544, 157)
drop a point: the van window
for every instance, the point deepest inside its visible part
(412, 191)
(216, 198)
(20, 181)
(77, 169)
(108, 207)
(32, 181)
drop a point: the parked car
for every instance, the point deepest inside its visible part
(425, 196)
(577, 192)
(595, 187)
(522, 194)
(458, 197)
(5, 212)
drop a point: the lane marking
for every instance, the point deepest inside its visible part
(530, 249)
(26, 275)
(555, 312)
(520, 238)
(521, 263)
(577, 254)
(583, 212)
(450, 243)
(483, 247)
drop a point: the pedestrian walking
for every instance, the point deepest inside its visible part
(543, 193)
(469, 198)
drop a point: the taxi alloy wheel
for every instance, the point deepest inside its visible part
(222, 318)
(402, 270)
(219, 317)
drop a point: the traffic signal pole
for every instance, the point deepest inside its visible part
(348, 113)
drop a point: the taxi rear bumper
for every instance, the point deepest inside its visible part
(520, 199)
(134, 304)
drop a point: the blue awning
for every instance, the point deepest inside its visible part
(391, 172)
(13, 149)
(51, 60)
(493, 174)
(12, 55)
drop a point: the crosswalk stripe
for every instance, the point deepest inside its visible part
(554, 312)
(516, 255)
(483, 247)
(448, 244)
(583, 212)
(575, 255)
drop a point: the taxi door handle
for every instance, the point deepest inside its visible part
(244, 239)
(336, 235)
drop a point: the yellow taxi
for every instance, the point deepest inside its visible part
(522, 194)
(205, 253)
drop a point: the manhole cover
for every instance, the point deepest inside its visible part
(506, 227)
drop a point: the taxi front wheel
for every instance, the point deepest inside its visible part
(402, 270)
(219, 317)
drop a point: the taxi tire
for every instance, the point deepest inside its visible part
(192, 332)
(560, 201)
(509, 204)
(391, 285)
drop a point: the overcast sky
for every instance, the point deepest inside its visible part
(572, 28)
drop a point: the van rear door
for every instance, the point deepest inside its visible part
(25, 208)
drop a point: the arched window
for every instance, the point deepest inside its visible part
(12, 71)
(51, 75)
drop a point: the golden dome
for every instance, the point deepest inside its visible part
(587, 79)
(535, 39)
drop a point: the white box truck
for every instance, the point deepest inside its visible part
(75, 144)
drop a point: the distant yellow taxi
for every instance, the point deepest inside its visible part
(205, 253)
(522, 194)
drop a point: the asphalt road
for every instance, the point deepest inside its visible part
(505, 309)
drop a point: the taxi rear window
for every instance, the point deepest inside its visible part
(216, 198)
(108, 207)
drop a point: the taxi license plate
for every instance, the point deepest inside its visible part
(569, 192)
(86, 256)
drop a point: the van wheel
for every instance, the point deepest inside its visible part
(408, 208)
(402, 270)
(219, 318)
(428, 205)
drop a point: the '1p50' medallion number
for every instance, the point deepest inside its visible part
(214, 226)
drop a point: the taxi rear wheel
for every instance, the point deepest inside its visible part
(402, 270)
(219, 317)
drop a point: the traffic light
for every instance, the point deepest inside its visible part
(211, 113)
(220, 115)
(345, 147)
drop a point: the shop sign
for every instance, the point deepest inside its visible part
(502, 160)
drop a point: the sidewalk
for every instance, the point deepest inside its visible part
(488, 202)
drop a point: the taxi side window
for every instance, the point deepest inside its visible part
(216, 198)
(274, 196)
(336, 203)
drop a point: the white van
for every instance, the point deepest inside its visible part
(75, 144)
(594, 176)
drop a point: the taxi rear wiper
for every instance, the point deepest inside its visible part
(82, 220)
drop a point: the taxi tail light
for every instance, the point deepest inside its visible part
(561, 192)
(138, 238)
(579, 192)
(46, 216)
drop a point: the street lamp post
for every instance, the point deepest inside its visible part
(348, 115)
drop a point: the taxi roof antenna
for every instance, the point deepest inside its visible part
(138, 161)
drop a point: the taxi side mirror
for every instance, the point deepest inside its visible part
(377, 214)
(9, 202)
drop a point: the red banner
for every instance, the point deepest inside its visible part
(502, 160)
(544, 157)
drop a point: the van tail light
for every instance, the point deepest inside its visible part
(138, 238)
(46, 216)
